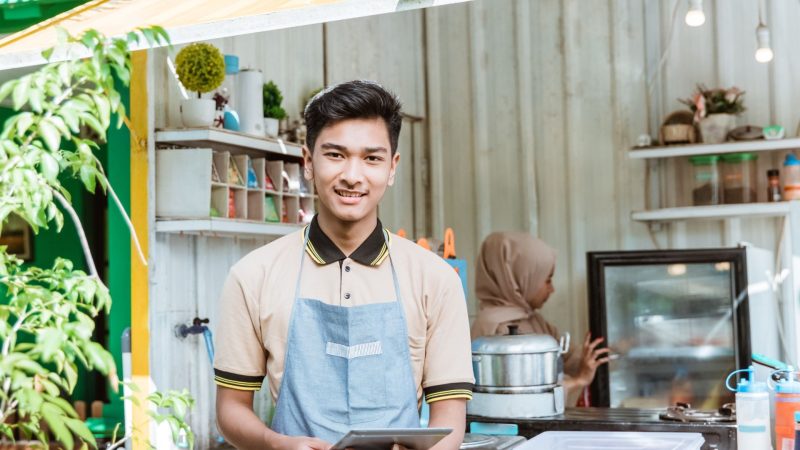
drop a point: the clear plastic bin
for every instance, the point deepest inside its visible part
(739, 178)
(706, 186)
(617, 440)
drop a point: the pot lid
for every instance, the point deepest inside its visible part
(513, 344)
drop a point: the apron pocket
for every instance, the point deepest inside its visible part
(366, 387)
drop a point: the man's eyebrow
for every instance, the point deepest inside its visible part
(332, 146)
(376, 150)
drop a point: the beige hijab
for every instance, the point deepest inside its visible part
(511, 268)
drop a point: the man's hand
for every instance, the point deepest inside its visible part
(300, 443)
(240, 426)
(591, 358)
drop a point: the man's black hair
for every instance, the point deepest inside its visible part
(353, 100)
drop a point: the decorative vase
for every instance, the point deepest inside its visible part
(271, 127)
(714, 128)
(198, 112)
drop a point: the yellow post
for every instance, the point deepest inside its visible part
(140, 318)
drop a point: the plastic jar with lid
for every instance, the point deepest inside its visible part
(706, 186)
(739, 178)
(791, 178)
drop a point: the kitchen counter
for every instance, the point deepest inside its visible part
(718, 436)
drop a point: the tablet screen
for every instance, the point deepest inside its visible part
(385, 438)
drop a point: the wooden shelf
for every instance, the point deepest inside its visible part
(225, 227)
(717, 212)
(226, 140)
(713, 149)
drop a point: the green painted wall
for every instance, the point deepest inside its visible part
(119, 245)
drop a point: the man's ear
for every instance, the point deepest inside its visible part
(308, 168)
(393, 169)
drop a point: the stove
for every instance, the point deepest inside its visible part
(487, 442)
(718, 429)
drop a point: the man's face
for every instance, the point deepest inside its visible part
(351, 166)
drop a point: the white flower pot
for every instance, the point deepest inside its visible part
(198, 112)
(714, 128)
(271, 127)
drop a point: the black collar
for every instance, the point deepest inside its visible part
(372, 252)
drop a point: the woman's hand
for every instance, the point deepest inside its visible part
(591, 358)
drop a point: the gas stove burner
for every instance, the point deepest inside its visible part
(683, 412)
(476, 440)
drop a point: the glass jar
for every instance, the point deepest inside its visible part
(706, 188)
(739, 178)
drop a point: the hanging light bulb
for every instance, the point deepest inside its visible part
(764, 53)
(695, 16)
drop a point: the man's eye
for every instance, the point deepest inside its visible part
(374, 158)
(333, 155)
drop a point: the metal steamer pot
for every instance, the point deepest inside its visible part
(518, 363)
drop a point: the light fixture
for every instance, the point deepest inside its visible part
(764, 53)
(695, 16)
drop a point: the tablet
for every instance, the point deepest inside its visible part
(384, 438)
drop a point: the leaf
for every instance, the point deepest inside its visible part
(20, 93)
(47, 53)
(6, 89)
(65, 406)
(72, 376)
(55, 420)
(94, 353)
(24, 121)
(78, 427)
(88, 178)
(49, 167)
(50, 134)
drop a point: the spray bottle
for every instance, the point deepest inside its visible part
(752, 412)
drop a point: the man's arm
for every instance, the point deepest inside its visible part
(449, 414)
(241, 427)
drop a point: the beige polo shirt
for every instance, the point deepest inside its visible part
(258, 295)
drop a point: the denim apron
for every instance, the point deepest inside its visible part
(346, 368)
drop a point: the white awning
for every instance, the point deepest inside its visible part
(190, 20)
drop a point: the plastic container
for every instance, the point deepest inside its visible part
(791, 178)
(787, 403)
(706, 186)
(752, 411)
(739, 178)
(617, 440)
(774, 186)
(797, 431)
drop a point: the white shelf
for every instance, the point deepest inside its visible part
(225, 227)
(777, 209)
(226, 140)
(713, 149)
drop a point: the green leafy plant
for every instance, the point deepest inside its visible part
(200, 67)
(272, 101)
(47, 315)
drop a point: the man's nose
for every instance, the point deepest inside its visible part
(353, 171)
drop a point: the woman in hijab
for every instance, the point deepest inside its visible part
(513, 280)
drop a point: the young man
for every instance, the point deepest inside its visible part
(350, 324)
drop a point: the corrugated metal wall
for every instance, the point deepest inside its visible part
(530, 108)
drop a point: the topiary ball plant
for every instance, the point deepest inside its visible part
(272, 101)
(200, 67)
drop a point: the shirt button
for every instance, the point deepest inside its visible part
(347, 268)
(347, 296)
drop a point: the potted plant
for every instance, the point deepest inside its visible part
(715, 111)
(47, 314)
(273, 111)
(201, 69)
